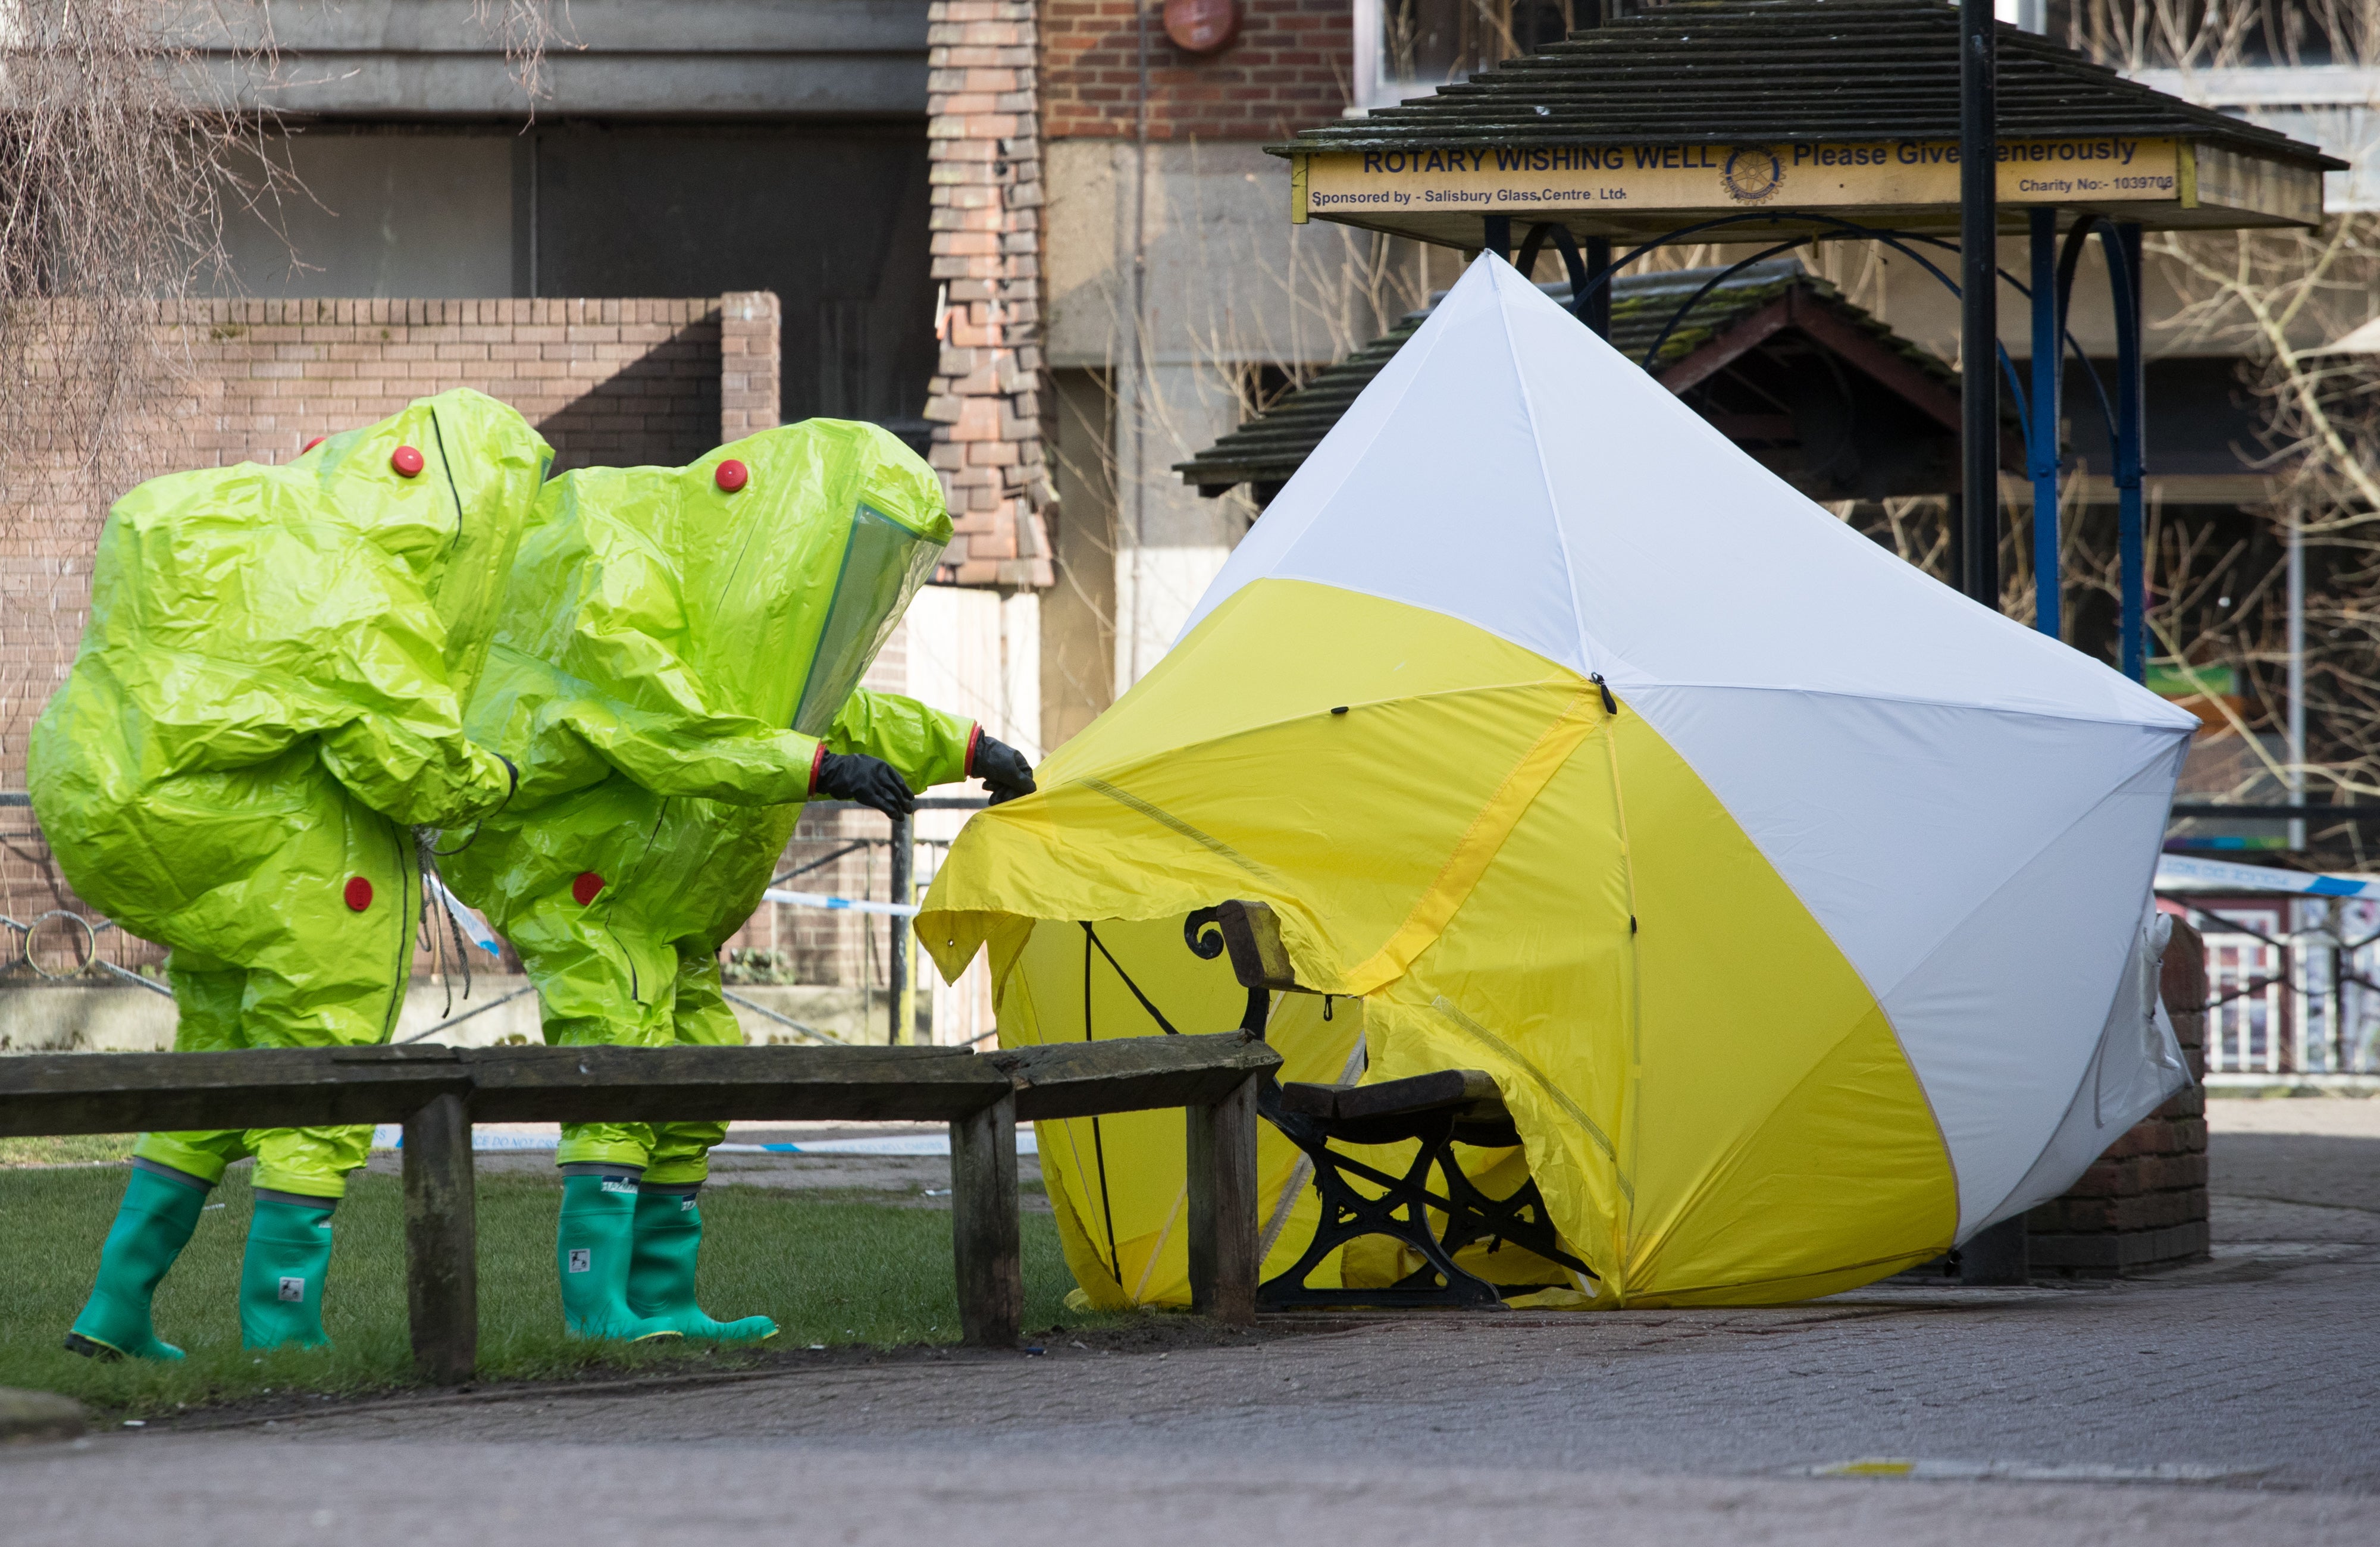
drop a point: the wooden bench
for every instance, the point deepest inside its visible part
(1438, 1110)
(438, 1092)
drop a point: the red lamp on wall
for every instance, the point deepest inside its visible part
(1202, 25)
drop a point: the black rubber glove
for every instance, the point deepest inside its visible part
(869, 781)
(1002, 769)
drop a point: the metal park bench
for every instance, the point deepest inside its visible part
(438, 1092)
(1438, 1110)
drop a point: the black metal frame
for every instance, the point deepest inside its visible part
(1401, 1210)
(1402, 1213)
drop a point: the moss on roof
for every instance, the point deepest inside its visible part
(1269, 448)
(1784, 71)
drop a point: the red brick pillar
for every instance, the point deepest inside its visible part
(2143, 1204)
(984, 152)
(749, 343)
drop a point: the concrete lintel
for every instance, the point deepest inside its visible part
(398, 85)
(584, 28)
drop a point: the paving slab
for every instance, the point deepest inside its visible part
(2226, 1402)
(237, 1494)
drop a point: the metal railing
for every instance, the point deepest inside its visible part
(868, 947)
(2248, 1006)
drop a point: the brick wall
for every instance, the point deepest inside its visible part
(613, 383)
(749, 364)
(983, 149)
(2143, 1203)
(1286, 71)
(610, 383)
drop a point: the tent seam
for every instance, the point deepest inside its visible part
(2008, 878)
(1255, 727)
(1544, 474)
(1865, 696)
(1623, 687)
(1952, 931)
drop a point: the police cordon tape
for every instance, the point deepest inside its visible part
(466, 916)
(2177, 873)
(477, 928)
(497, 1137)
(852, 905)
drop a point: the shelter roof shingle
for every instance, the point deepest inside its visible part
(1784, 71)
(1269, 447)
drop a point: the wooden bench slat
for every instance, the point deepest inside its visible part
(1076, 1080)
(120, 1092)
(438, 1092)
(1392, 1098)
(115, 1092)
(781, 1084)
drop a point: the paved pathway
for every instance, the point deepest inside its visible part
(2255, 1376)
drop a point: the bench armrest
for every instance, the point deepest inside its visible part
(1252, 935)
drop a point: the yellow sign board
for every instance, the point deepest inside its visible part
(1617, 179)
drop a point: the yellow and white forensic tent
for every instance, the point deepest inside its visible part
(1797, 906)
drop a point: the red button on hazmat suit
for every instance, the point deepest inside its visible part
(676, 672)
(268, 700)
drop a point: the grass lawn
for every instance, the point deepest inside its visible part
(71, 1149)
(829, 1272)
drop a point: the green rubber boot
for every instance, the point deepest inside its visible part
(661, 1273)
(152, 1225)
(594, 1247)
(281, 1277)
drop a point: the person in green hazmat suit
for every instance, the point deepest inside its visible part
(267, 704)
(676, 672)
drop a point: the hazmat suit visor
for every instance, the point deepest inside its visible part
(883, 564)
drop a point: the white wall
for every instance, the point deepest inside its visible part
(978, 653)
(1228, 283)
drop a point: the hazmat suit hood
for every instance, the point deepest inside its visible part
(275, 647)
(658, 611)
(678, 649)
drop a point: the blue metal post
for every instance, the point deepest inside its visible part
(2123, 252)
(2047, 364)
(1496, 236)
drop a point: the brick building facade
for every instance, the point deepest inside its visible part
(1173, 283)
(1286, 69)
(609, 383)
(983, 149)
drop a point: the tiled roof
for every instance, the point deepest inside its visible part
(1273, 445)
(1784, 71)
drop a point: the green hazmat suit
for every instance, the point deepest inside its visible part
(267, 702)
(678, 648)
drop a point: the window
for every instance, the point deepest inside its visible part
(1408, 48)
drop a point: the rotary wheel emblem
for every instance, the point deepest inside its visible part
(1752, 174)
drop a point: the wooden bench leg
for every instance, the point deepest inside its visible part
(441, 1285)
(1222, 1177)
(986, 1243)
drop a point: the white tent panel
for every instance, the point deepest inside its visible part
(1680, 559)
(1490, 551)
(1972, 810)
(1312, 490)
(1893, 821)
(1695, 564)
(2139, 1065)
(2002, 1021)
